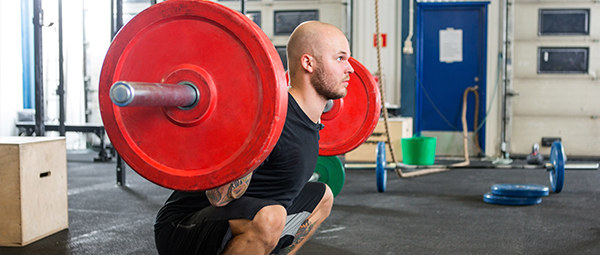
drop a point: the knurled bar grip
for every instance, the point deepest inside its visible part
(123, 93)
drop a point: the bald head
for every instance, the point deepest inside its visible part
(312, 38)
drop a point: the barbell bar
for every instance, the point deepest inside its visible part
(573, 167)
(547, 165)
(556, 166)
(184, 95)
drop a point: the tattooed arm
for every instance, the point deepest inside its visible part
(221, 196)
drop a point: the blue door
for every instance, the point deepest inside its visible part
(451, 56)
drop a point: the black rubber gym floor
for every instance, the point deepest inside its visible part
(436, 214)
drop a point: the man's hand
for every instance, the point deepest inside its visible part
(221, 196)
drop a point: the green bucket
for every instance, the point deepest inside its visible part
(418, 150)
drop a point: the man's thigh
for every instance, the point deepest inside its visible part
(206, 231)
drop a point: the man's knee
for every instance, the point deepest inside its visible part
(269, 223)
(326, 202)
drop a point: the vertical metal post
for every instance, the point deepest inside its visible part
(121, 166)
(112, 19)
(243, 6)
(119, 18)
(152, 2)
(503, 144)
(86, 76)
(349, 20)
(40, 127)
(61, 78)
(116, 17)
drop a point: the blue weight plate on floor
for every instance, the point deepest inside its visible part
(520, 190)
(505, 200)
(557, 172)
(380, 167)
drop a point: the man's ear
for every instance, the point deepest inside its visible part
(307, 63)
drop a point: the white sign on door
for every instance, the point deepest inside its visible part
(451, 42)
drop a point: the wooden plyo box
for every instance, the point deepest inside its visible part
(33, 189)
(399, 128)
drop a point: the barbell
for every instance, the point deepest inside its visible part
(193, 95)
(556, 167)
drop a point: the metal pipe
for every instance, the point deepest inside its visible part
(40, 127)
(503, 144)
(119, 18)
(243, 6)
(112, 19)
(116, 17)
(61, 78)
(86, 77)
(349, 20)
(183, 95)
(408, 49)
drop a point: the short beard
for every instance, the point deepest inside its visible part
(323, 84)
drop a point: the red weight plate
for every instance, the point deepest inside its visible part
(240, 78)
(353, 118)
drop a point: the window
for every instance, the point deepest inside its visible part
(254, 16)
(562, 60)
(564, 22)
(282, 55)
(287, 21)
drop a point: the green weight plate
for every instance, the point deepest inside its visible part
(331, 172)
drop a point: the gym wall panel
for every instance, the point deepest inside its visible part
(559, 104)
(556, 97)
(580, 134)
(11, 68)
(526, 58)
(527, 13)
(390, 18)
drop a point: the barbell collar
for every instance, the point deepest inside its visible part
(127, 94)
(314, 177)
(328, 106)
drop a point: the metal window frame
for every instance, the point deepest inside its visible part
(316, 11)
(563, 11)
(586, 50)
